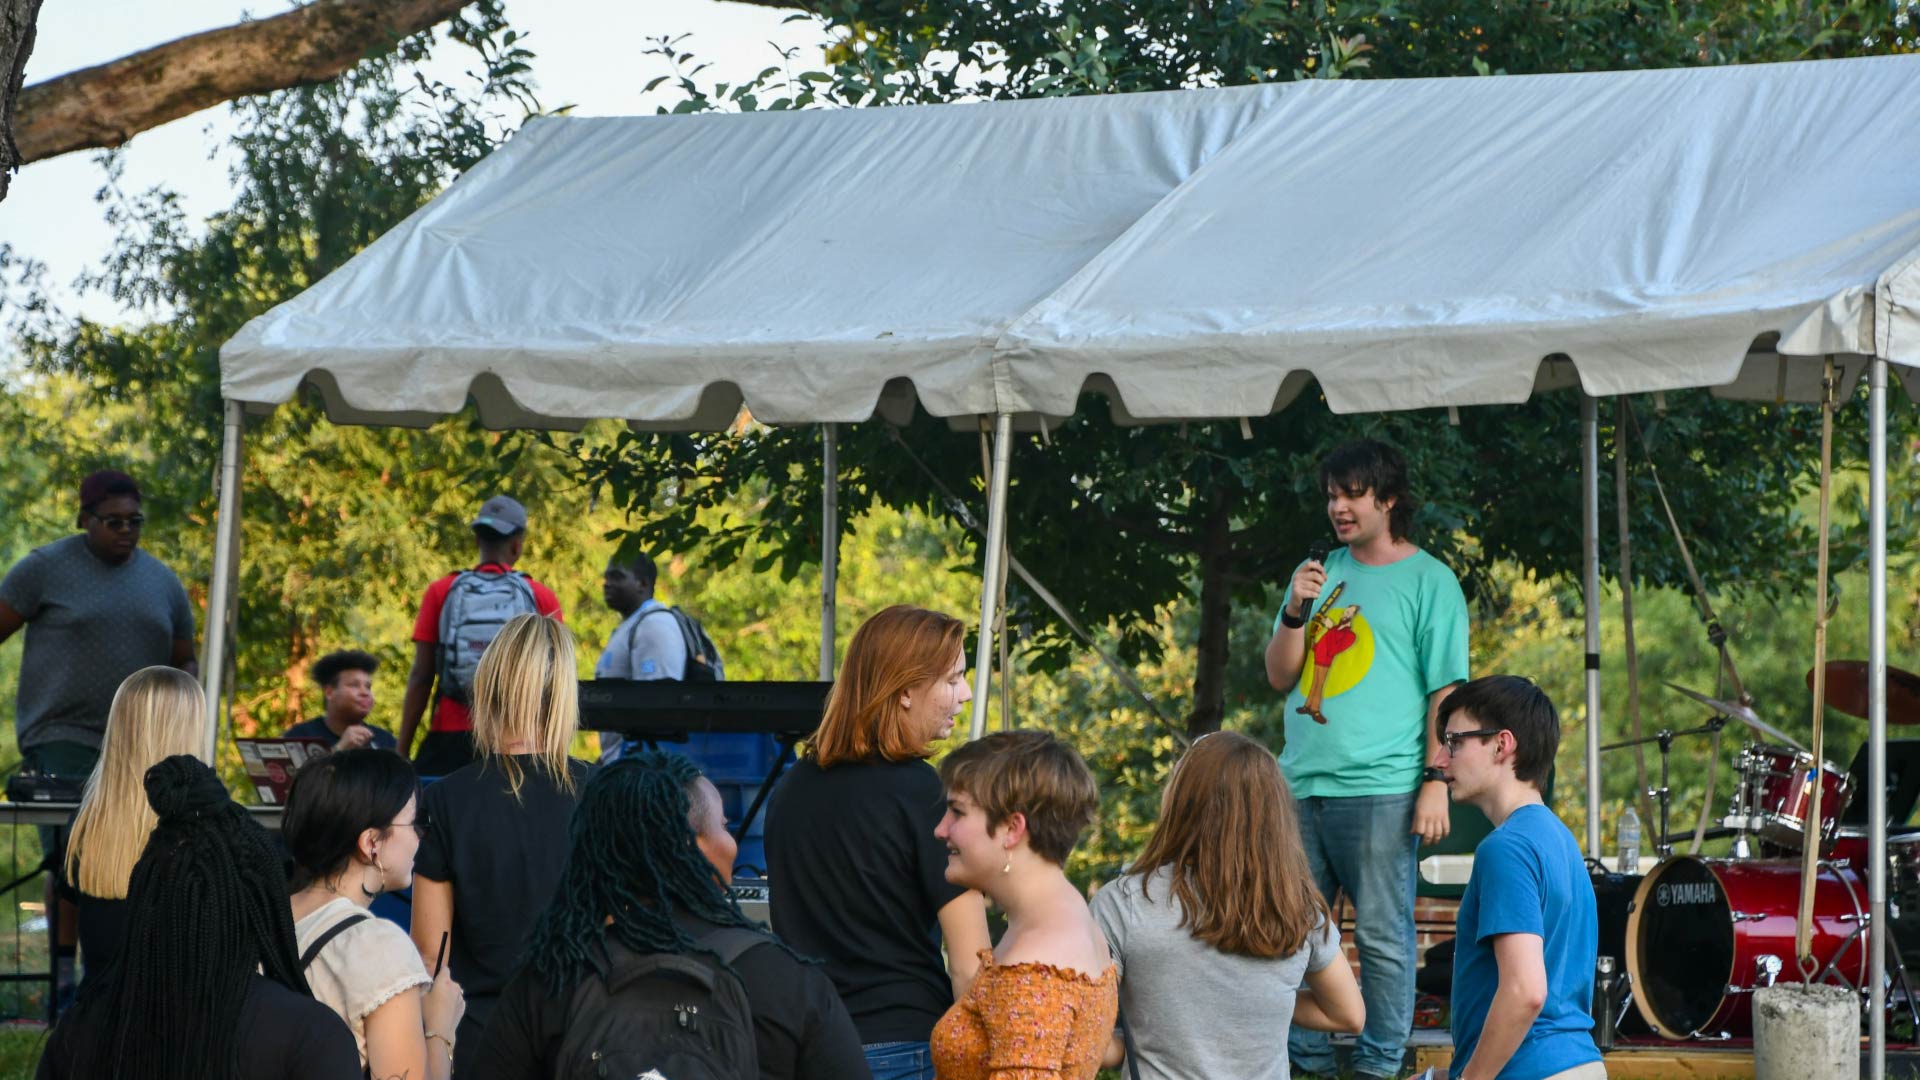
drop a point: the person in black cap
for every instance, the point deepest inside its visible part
(97, 609)
(459, 616)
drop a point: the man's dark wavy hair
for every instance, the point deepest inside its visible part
(1363, 464)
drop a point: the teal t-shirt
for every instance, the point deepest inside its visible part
(1393, 636)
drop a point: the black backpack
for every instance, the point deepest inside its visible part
(703, 659)
(682, 1015)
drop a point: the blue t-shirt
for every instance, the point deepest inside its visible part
(317, 728)
(1394, 635)
(1529, 878)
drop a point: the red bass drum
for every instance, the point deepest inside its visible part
(1705, 933)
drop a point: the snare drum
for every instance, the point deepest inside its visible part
(1706, 933)
(1776, 793)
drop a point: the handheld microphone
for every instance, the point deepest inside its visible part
(1319, 551)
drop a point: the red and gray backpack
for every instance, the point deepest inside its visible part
(478, 604)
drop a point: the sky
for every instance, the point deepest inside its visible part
(587, 54)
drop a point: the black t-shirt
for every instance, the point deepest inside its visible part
(503, 858)
(858, 880)
(283, 1036)
(800, 1028)
(102, 924)
(317, 728)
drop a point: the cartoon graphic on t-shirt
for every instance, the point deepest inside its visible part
(1329, 639)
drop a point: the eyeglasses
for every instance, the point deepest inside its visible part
(1453, 738)
(419, 827)
(130, 523)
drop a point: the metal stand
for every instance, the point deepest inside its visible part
(1664, 794)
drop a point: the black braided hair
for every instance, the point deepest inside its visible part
(207, 902)
(633, 857)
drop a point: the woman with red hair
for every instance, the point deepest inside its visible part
(859, 878)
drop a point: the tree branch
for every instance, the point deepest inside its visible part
(104, 106)
(17, 21)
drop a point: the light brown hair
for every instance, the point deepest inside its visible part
(1029, 773)
(527, 690)
(898, 649)
(157, 712)
(1229, 834)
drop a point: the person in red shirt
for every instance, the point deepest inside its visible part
(500, 533)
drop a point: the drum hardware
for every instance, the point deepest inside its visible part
(1664, 794)
(1734, 711)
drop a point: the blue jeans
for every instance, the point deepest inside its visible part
(900, 1060)
(1361, 846)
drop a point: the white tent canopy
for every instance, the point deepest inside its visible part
(1405, 243)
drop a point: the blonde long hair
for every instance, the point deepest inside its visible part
(527, 690)
(1230, 837)
(157, 712)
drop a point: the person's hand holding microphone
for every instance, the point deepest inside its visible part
(1308, 582)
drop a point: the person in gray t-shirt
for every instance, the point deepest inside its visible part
(97, 609)
(1221, 936)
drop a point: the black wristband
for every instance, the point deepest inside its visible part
(1433, 773)
(1292, 622)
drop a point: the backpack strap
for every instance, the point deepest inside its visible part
(732, 942)
(313, 951)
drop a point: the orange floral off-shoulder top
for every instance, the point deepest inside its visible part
(1027, 1022)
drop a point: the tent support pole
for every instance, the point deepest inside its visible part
(1590, 600)
(1877, 716)
(990, 575)
(226, 545)
(829, 544)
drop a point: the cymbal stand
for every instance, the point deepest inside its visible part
(1664, 793)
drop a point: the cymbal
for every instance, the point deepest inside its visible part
(1847, 690)
(1741, 713)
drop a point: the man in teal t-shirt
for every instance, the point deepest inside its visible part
(1366, 645)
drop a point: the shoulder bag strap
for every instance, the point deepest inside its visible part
(313, 951)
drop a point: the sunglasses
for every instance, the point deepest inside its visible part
(130, 523)
(1453, 738)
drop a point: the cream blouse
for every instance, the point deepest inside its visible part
(362, 968)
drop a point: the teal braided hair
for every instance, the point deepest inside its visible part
(633, 857)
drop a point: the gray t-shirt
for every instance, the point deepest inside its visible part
(89, 626)
(1197, 1013)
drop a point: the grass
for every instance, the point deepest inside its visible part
(19, 1051)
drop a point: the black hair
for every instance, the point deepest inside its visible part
(488, 536)
(328, 669)
(640, 566)
(206, 907)
(1371, 465)
(1511, 703)
(334, 800)
(633, 857)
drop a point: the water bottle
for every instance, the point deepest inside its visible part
(1629, 837)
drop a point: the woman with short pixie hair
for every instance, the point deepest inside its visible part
(1217, 926)
(1046, 997)
(499, 838)
(862, 881)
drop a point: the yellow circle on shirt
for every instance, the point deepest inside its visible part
(1353, 662)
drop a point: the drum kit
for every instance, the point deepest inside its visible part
(1702, 934)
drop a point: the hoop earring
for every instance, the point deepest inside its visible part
(380, 878)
